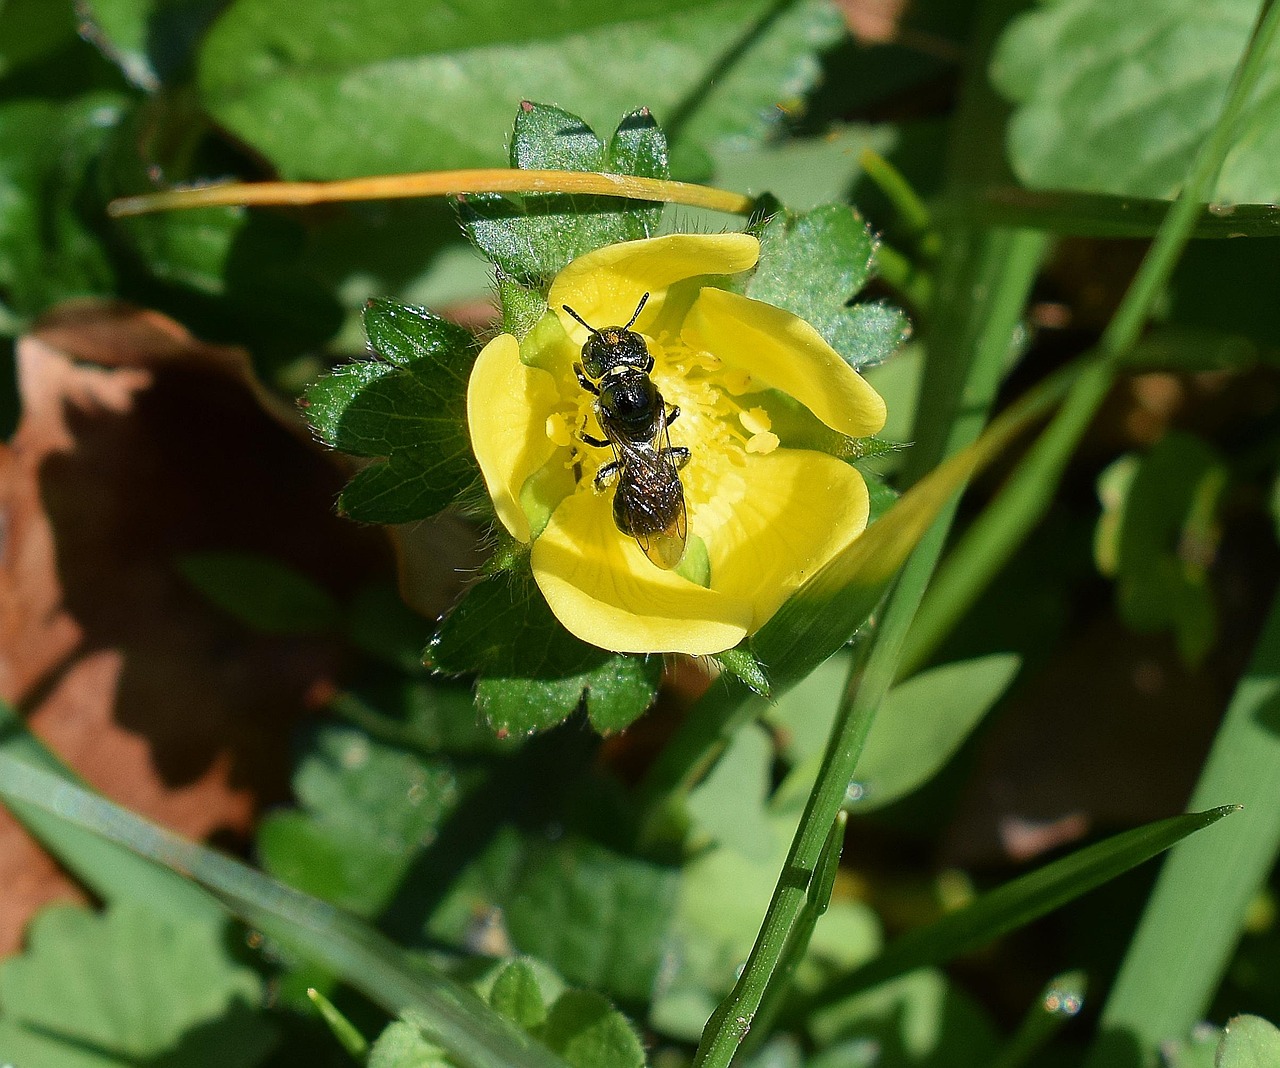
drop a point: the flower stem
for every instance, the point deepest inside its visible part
(438, 184)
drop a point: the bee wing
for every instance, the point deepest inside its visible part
(659, 520)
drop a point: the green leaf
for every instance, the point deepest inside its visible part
(152, 41)
(48, 251)
(31, 30)
(1026, 898)
(410, 409)
(922, 723)
(1158, 534)
(343, 72)
(118, 989)
(368, 810)
(802, 172)
(1249, 1042)
(598, 917)
(532, 237)
(1114, 99)
(403, 1045)
(265, 595)
(729, 804)
(588, 1032)
(918, 1019)
(814, 265)
(533, 672)
(516, 994)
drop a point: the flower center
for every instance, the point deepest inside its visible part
(717, 430)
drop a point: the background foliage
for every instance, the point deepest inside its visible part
(529, 851)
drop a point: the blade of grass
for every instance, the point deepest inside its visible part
(1195, 914)
(1018, 902)
(815, 905)
(457, 1018)
(1072, 214)
(1021, 503)
(112, 872)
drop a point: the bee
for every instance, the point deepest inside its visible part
(648, 498)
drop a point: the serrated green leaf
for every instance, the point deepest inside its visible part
(598, 917)
(1249, 1042)
(125, 987)
(814, 265)
(533, 237)
(265, 595)
(1114, 99)
(418, 341)
(343, 71)
(403, 1045)
(533, 672)
(368, 810)
(517, 995)
(411, 410)
(588, 1032)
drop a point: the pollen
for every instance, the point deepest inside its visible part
(558, 429)
(756, 421)
(763, 443)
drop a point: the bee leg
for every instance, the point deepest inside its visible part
(607, 473)
(599, 443)
(584, 381)
(673, 413)
(678, 455)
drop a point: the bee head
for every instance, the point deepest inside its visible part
(614, 346)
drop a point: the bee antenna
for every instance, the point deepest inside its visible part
(639, 308)
(581, 319)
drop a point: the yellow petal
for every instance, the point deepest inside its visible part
(792, 511)
(507, 409)
(605, 286)
(781, 351)
(600, 586)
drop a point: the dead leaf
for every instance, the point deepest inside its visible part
(138, 444)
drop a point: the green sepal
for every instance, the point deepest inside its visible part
(522, 307)
(533, 672)
(741, 663)
(531, 237)
(814, 265)
(409, 408)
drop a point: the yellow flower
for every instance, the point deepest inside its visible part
(762, 517)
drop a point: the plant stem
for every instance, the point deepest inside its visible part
(438, 184)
